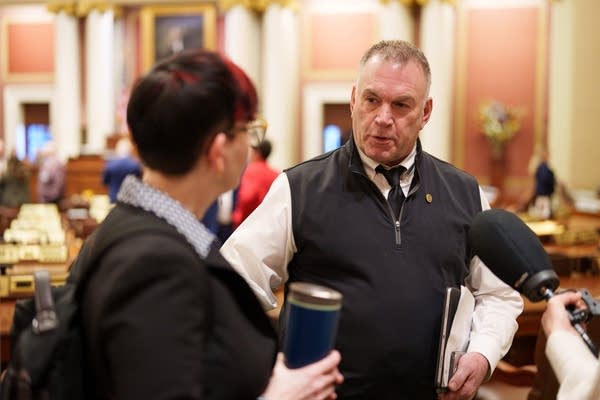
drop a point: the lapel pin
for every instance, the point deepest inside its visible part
(429, 197)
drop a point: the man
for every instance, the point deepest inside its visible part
(255, 183)
(117, 168)
(544, 187)
(327, 221)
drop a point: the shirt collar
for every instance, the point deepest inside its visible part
(370, 164)
(139, 194)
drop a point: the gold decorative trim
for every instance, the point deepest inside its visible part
(258, 5)
(420, 3)
(80, 8)
(57, 6)
(84, 7)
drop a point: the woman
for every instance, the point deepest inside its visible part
(164, 315)
(576, 368)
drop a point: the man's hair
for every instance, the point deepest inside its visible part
(399, 51)
(263, 148)
(182, 103)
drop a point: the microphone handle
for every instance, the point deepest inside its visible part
(547, 294)
(588, 341)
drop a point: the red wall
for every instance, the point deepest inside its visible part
(501, 64)
(30, 48)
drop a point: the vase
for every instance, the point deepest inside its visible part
(498, 168)
(497, 149)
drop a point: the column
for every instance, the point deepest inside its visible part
(243, 38)
(65, 115)
(395, 20)
(437, 42)
(100, 98)
(561, 94)
(120, 79)
(280, 72)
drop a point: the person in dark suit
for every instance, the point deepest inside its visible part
(164, 315)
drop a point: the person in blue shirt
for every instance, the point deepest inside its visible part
(116, 169)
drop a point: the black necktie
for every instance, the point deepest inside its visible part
(395, 196)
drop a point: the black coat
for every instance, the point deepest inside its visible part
(162, 323)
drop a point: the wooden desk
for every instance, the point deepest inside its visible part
(581, 259)
(7, 310)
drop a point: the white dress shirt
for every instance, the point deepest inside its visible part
(262, 246)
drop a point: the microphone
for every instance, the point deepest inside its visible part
(513, 252)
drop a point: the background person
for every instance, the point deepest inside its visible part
(117, 168)
(165, 316)
(540, 203)
(218, 216)
(327, 221)
(255, 183)
(2, 157)
(576, 368)
(14, 183)
(51, 175)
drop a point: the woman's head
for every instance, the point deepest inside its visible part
(182, 103)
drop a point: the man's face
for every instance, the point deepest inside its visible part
(389, 108)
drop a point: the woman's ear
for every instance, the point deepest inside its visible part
(216, 153)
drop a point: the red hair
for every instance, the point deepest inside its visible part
(247, 102)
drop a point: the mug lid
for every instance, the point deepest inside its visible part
(316, 294)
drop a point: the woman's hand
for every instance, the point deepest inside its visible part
(556, 317)
(316, 381)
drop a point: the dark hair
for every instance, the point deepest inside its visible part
(176, 109)
(264, 148)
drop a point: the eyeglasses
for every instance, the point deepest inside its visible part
(257, 130)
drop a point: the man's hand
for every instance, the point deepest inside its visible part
(472, 370)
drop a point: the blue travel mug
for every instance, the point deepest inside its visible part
(312, 314)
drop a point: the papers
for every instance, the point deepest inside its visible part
(454, 334)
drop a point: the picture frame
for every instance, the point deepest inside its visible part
(169, 29)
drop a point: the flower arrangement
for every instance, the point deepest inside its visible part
(499, 124)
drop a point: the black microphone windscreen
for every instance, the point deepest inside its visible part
(512, 251)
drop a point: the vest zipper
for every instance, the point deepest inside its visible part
(397, 220)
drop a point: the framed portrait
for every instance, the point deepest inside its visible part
(169, 29)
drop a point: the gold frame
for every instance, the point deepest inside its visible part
(149, 14)
(16, 77)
